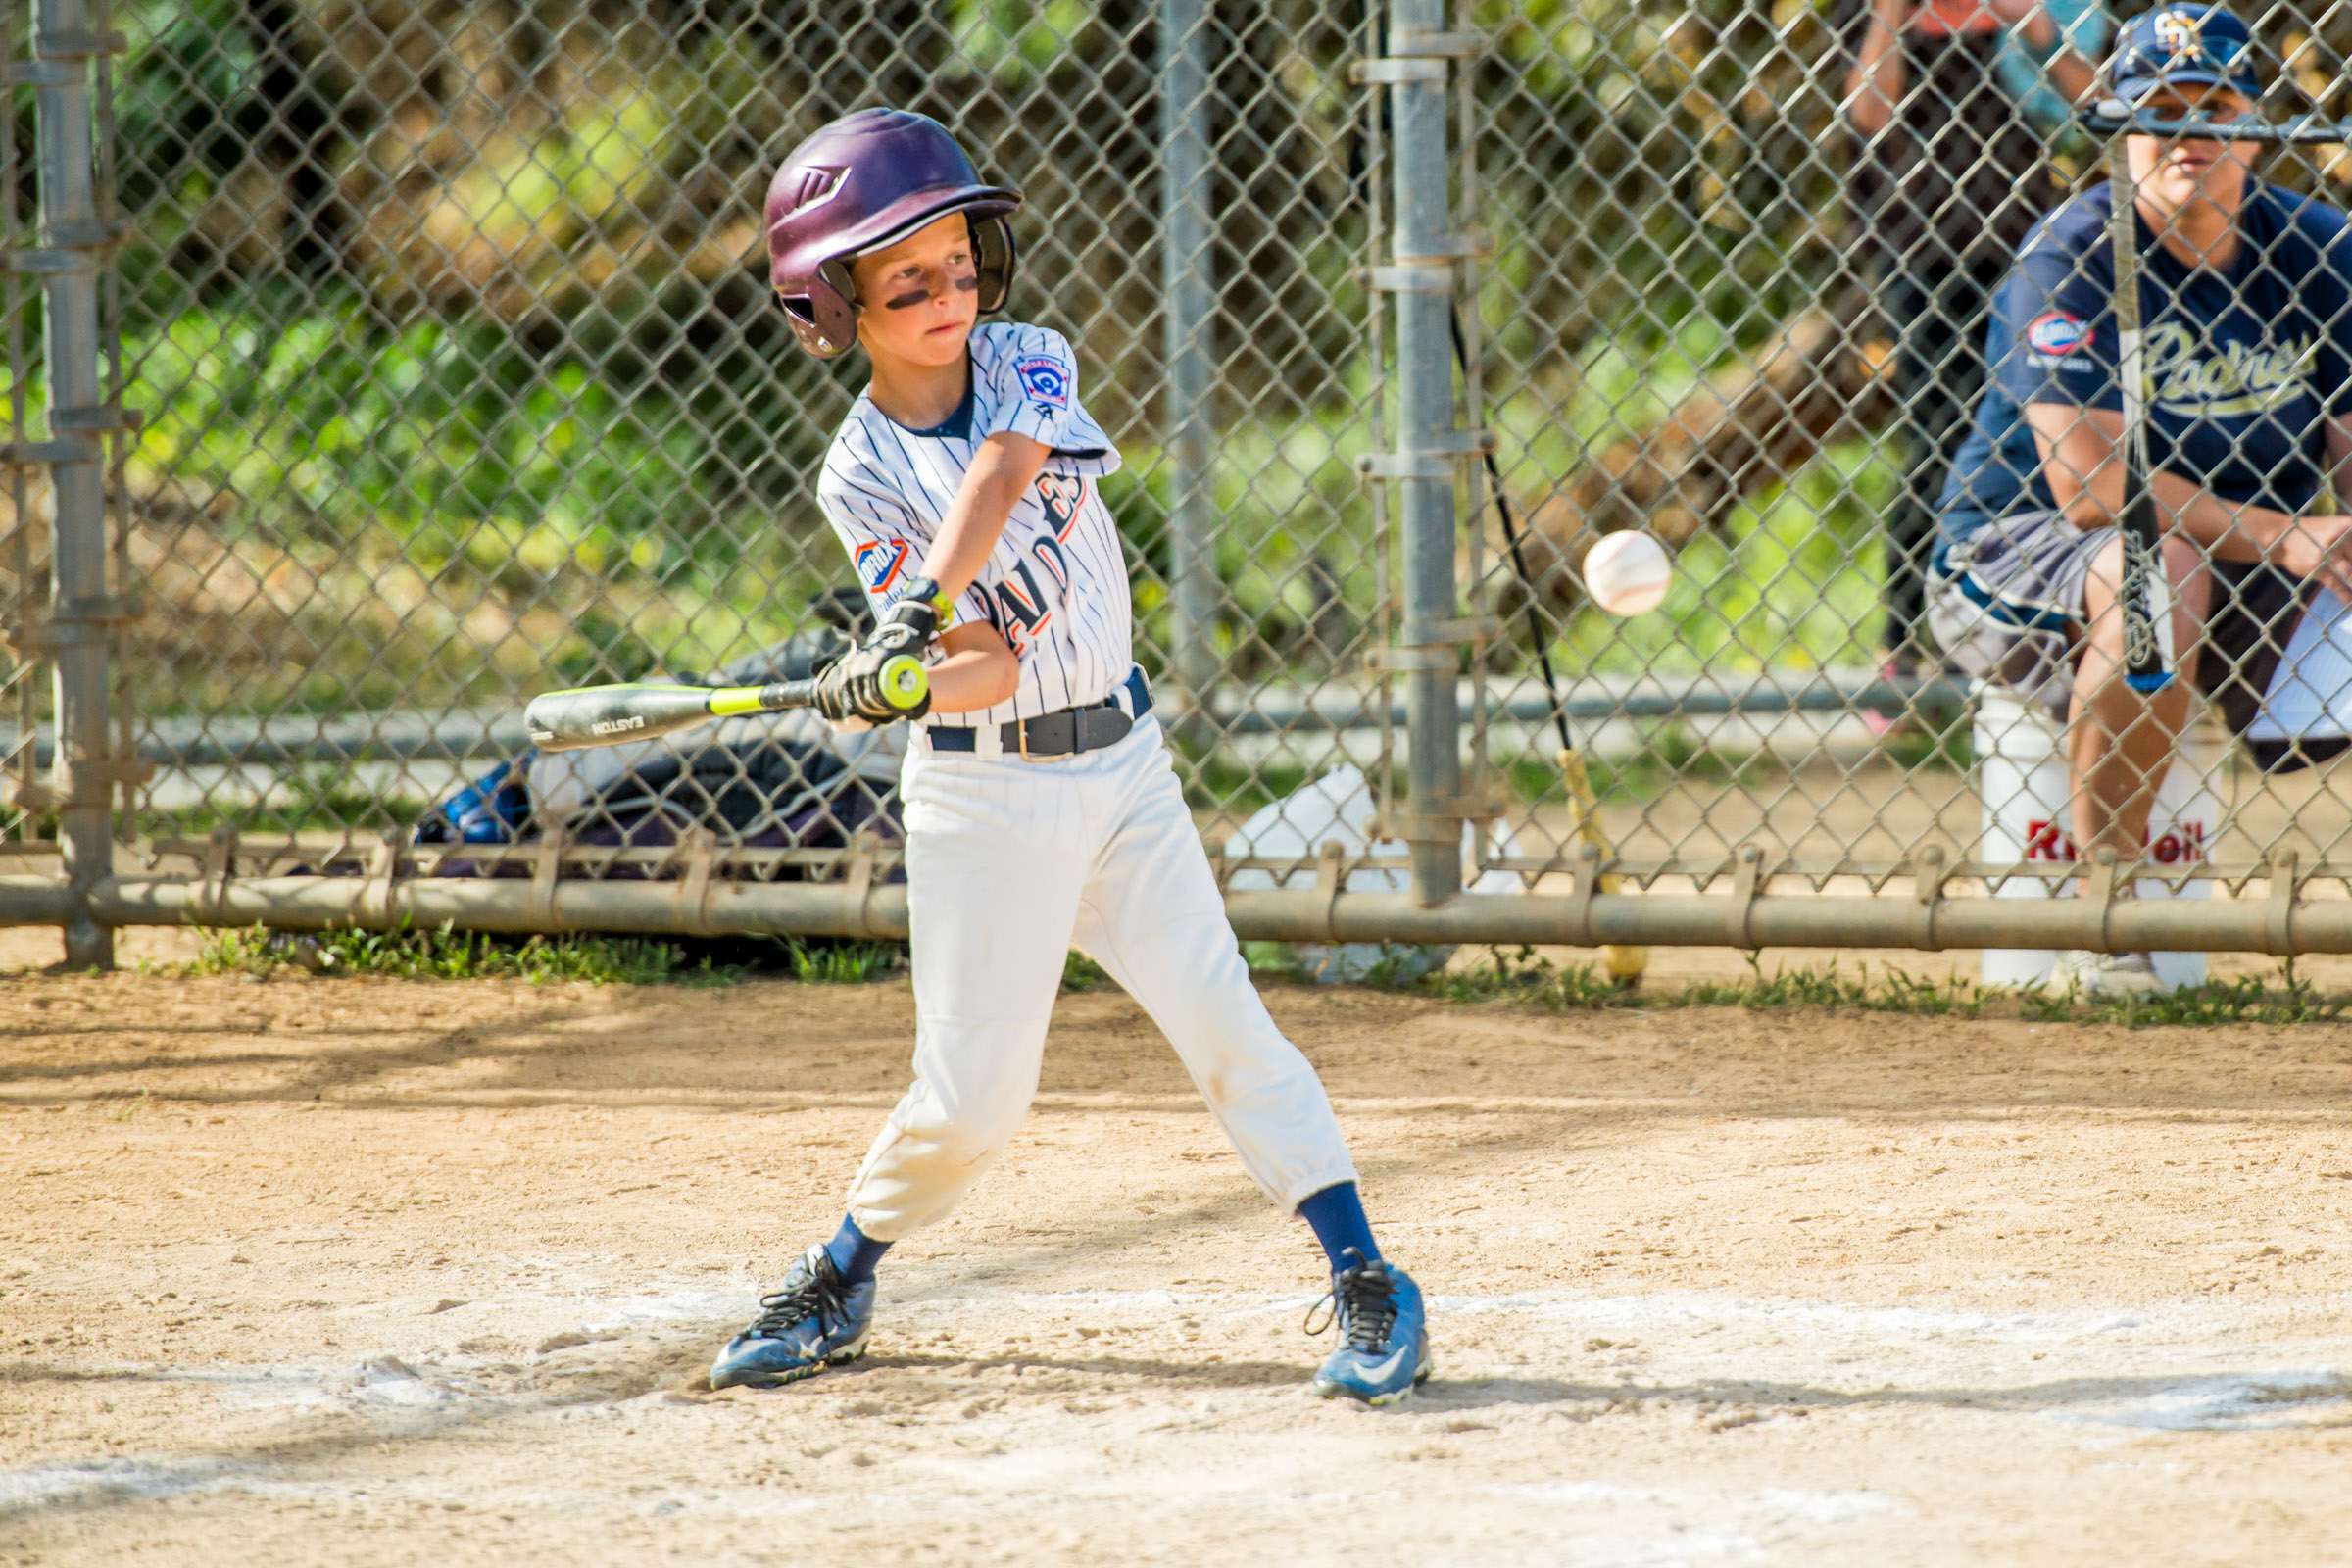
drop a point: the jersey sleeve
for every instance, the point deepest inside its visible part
(2052, 337)
(1034, 388)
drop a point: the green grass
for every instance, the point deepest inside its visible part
(1079, 973)
(1793, 580)
(446, 954)
(2244, 1000)
(841, 963)
(1272, 960)
(1510, 977)
(1518, 978)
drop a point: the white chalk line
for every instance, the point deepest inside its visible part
(2254, 1402)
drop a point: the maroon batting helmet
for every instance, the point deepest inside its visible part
(866, 180)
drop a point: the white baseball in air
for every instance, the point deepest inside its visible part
(1628, 573)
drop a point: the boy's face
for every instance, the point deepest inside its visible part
(917, 299)
(2173, 173)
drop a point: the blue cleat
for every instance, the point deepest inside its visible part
(816, 1320)
(1384, 1333)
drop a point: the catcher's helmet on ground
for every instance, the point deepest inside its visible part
(864, 181)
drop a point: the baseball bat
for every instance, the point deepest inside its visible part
(607, 715)
(2147, 591)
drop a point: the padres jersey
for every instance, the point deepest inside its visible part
(1055, 585)
(2246, 365)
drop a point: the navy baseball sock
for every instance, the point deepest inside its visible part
(855, 1252)
(1338, 1217)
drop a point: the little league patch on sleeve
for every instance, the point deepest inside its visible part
(880, 563)
(1044, 380)
(2057, 334)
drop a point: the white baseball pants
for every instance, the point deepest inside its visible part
(1011, 864)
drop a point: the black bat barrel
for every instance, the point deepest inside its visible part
(602, 716)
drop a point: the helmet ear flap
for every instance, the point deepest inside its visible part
(824, 318)
(993, 257)
(834, 293)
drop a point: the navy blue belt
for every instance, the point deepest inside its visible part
(1065, 732)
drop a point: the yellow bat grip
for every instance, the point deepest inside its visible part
(905, 681)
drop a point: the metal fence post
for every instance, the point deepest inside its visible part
(72, 242)
(1424, 245)
(1190, 303)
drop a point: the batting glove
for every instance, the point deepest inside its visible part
(910, 622)
(849, 690)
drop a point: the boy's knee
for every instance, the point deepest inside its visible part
(2190, 573)
(978, 1126)
(1257, 1068)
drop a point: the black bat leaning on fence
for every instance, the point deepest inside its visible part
(2147, 591)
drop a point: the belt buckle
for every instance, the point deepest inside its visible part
(1022, 730)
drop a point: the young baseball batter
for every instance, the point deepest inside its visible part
(964, 486)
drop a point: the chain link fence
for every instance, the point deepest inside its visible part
(461, 380)
(1738, 290)
(448, 334)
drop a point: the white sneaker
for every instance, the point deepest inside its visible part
(2108, 974)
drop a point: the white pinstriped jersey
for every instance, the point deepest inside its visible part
(1056, 583)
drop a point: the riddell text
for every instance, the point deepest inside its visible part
(2184, 843)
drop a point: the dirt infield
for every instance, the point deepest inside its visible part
(361, 1271)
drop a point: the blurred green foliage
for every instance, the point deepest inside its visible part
(446, 442)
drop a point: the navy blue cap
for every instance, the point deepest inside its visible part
(2181, 46)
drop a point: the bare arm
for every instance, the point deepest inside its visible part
(979, 670)
(1005, 466)
(2339, 460)
(2073, 76)
(1877, 81)
(2080, 459)
(2071, 73)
